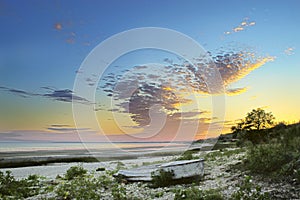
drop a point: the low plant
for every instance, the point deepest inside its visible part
(195, 193)
(162, 178)
(248, 191)
(188, 155)
(120, 165)
(10, 187)
(74, 172)
(118, 192)
(89, 186)
(83, 188)
(280, 157)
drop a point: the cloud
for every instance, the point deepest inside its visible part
(64, 95)
(50, 136)
(236, 91)
(289, 51)
(139, 90)
(234, 66)
(65, 128)
(238, 29)
(21, 93)
(189, 115)
(17, 92)
(58, 26)
(241, 27)
(252, 23)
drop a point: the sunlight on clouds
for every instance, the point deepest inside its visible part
(240, 66)
(238, 29)
(235, 91)
(241, 27)
(136, 91)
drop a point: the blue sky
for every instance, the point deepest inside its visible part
(43, 44)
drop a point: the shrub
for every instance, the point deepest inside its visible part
(91, 187)
(162, 179)
(267, 158)
(280, 156)
(119, 192)
(19, 189)
(83, 188)
(74, 172)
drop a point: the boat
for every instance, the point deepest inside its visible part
(180, 169)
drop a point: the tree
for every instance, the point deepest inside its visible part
(257, 119)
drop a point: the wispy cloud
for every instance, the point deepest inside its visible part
(246, 23)
(65, 128)
(289, 51)
(17, 92)
(64, 95)
(236, 91)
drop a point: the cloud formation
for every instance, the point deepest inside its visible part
(236, 91)
(64, 95)
(136, 91)
(246, 23)
(17, 92)
(60, 128)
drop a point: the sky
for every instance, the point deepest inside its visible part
(146, 94)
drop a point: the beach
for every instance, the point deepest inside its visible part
(222, 177)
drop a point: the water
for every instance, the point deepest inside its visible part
(61, 146)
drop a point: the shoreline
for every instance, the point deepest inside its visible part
(52, 169)
(15, 159)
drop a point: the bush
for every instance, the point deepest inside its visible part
(83, 188)
(74, 172)
(10, 187)
(162, 179)
(280, 156)
(267, 158)
(119, 192)
(91, 187)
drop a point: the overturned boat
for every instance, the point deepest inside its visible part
(180, 169)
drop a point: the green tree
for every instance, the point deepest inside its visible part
(257, 119)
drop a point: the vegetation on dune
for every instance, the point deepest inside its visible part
(279, 157)
(10, 188)
(274, 151)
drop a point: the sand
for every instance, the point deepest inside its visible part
(51, 170)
